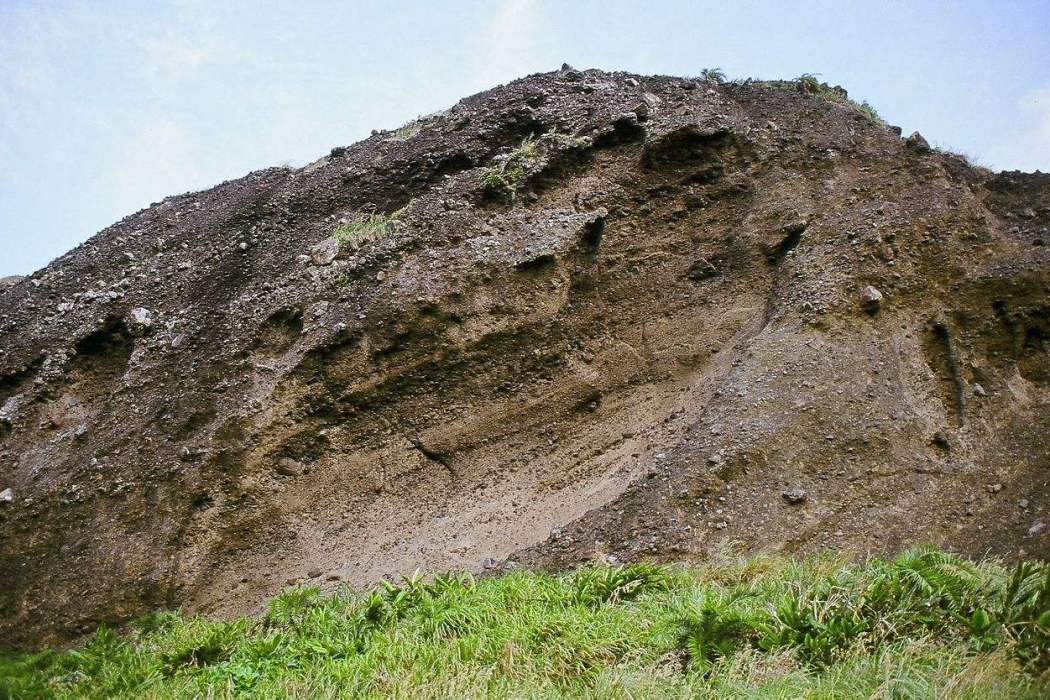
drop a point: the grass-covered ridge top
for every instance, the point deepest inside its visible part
(926, 624)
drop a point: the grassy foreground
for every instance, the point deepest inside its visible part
(926, 624)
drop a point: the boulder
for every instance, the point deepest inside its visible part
(286, 466)
(917, 143)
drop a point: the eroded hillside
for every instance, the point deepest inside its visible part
(585, 315)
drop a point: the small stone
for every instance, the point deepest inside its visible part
(139, 322)
(1023, 503)
(994, 488)
(490, 563)
(7, 496)
(1036, 529)
(325, 252)
(286, 466)
(380, 276)
(978, 390)
(11, 408)
(242, 245)
(871, 299)
(795, 495)
(721, 525)
(314, 573)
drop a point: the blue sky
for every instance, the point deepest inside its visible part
(106, 107)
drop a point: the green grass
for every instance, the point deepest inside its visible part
(510, 174)
(366, 227)
(811, 84)
(923, 625)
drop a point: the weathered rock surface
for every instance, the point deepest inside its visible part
(633, 357)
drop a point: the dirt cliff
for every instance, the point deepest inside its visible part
(584, 315)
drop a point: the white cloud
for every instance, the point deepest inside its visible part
(1026, 144)
(509, 42)
(1038, 101)
(188, 40)
(174, 53)
(159, 159)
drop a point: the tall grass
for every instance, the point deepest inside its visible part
(926, 624)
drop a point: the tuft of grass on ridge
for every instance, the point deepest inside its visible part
(924, 624)
(811, 84)
(713, 75)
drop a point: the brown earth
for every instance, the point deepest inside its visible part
(656, 349)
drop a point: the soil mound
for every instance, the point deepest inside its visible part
(585, 315)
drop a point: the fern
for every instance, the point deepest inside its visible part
(716, 628)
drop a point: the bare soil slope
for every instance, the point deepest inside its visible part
(647, 334)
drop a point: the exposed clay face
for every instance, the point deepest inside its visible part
(628, 337)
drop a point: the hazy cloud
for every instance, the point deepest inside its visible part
(509, 42)
(186, 42)
(1026, 144)
(175, 52)
(1038, 101)
(160, 159)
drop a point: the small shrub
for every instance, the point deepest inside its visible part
(713, 75)
(510, 174)
(810, 83)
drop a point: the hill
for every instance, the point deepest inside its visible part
(585, 316)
